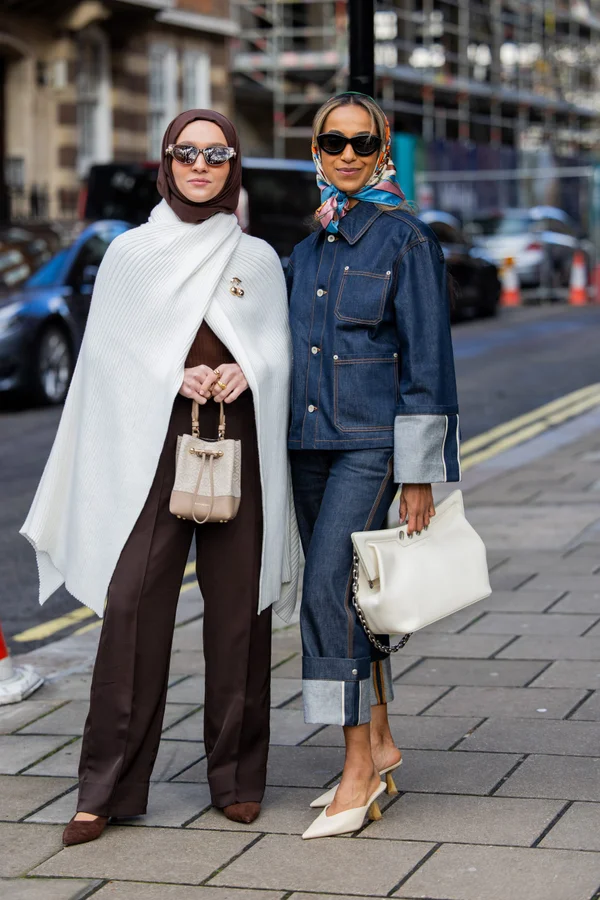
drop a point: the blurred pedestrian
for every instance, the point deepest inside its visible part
(186, 308)
(373, 406)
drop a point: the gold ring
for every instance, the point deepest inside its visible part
(217, 372)
(222, 386)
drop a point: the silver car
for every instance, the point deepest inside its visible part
(541, 240)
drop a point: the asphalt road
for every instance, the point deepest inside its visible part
(505, 367)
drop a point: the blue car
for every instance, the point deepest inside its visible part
(42, 322)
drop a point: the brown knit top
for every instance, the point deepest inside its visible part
(207, 350)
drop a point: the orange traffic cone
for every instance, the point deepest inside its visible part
(578, 295)
(596, 283)
(511, 292)
(15, 683)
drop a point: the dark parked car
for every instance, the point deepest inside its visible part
(36, 248)
(14, 267)
(280, 197)
(42, 322)
(475, 273)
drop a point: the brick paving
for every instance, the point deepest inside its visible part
(497, 710)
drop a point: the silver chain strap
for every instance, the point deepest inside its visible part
(375, 641)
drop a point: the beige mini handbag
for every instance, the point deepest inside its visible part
(207, 475)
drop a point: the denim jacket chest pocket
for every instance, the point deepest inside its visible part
(362, 295)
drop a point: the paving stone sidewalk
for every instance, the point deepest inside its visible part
(497, 710)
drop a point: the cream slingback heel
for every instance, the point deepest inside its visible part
(327, 798)
(345, 822)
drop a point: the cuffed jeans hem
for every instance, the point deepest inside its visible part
(382, 686)
(336, 702)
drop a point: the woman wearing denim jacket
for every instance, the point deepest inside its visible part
(373, 406)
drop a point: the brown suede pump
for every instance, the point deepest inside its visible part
(79, 831)
(246, 813)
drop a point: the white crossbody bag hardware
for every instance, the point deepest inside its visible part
(404, 582)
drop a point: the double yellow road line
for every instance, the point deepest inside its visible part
(523, 428)
(47, 629)
(474, 451)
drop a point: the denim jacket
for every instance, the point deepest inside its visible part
(373, 361)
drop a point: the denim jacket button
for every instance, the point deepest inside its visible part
(315, 350)
(355, 671)
(311, 408)
(320, 292)
(331, 238)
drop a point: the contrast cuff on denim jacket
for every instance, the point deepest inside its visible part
(382, 688)
(336, 691)
(426, 449)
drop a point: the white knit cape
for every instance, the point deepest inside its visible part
(156, 285)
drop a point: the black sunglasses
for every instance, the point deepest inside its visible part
(334, 143)
(187, 154)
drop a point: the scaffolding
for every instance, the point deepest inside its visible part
(516, 72)
(519, 73)
(295, 54)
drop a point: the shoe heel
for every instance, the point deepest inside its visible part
(374, 812)
(391, 785)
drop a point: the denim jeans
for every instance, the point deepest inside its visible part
(337, 492)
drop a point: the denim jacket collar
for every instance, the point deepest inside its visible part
(358, 220)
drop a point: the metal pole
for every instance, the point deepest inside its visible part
(362, 46)
(277, 76)
(4, 197)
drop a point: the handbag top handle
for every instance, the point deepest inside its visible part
(196, 420)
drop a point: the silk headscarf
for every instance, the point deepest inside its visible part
(382, 186)
(227, 200)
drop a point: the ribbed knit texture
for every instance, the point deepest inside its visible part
(156, 285)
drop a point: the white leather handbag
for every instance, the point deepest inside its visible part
(404, 582)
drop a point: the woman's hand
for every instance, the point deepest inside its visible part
(416, 506)
(234, 380)
(197, 383)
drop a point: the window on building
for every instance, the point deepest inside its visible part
(15, 172)
(195, 80)
(93, 100)
(162, 94)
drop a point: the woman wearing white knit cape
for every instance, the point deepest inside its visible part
(156, 285)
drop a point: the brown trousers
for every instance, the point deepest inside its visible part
(129, 686)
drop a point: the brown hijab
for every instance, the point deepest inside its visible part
(227, 200)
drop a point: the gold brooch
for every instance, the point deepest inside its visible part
(235, 287)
